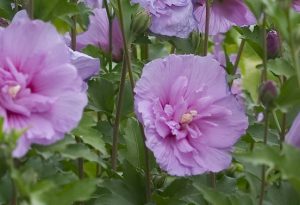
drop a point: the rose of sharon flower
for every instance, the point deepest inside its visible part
(191, 120)
(224, 14)
(93, 3)
(98, 34)
(293, 136)
(170, 17)
(296, 5)
(40, 90)
(86, 65)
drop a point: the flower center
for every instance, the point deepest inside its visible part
(14, 90)
(188, 117)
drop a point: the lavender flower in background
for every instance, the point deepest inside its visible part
(170, 18)
(293, 136)
(93, 4)
(87, 66)
(98, 34)
(273, 44)
(191, 121)
(224, 14)
(40, 90)
(296, 5)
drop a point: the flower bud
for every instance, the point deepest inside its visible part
(273, 44)
(140, 22)
(268, 93)
(159, 181)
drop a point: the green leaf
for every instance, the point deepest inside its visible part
(6, 10)
(66, 194)
(89, 134)
(254, 38)
(127, 107)
(281, 67)
(101, 92)
(128, 9)
(75, 151)
(134, 151)
(159, 200)
(50, 10)
(289, 95)
(127, 191)
(217, 198)
(284, 161)
(283, 194)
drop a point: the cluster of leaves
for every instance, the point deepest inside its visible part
(78, 168)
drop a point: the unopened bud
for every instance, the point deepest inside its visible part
(140, 22)
(268, 94)
(159, 181)
(273, 44)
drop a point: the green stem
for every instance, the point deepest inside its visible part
(265, 54)
(128, 63)
(125, 44)
(263, 171)
(110, 19)
(80, 161)
(144, 52)
(283, 128)
(238, 57)
(29, 8)
(173, 49)
(16, 6)
(114, 155)
(206, 34)
(294, 53)
(205, 49)
(276, 121)
(147, 166)
(73, 33)
(73, 46)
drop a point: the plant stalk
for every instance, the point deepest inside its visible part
(127, 55)
(238, 57)
(206, 34)
(205, 50)
(283, 128)
(265, 54)
(30, 8)
(144, 52)
(114, 155)
(110, 19)
(263, 171)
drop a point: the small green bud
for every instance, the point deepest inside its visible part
(268, 93)
(140, 22)
(159, 181)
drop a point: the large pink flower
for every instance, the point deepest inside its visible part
(170, 17)
(98, 34)
(224, 14)
(39, 89)
(191, 120)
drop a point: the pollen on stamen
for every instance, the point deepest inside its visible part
(188, 117)
(14, 90)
